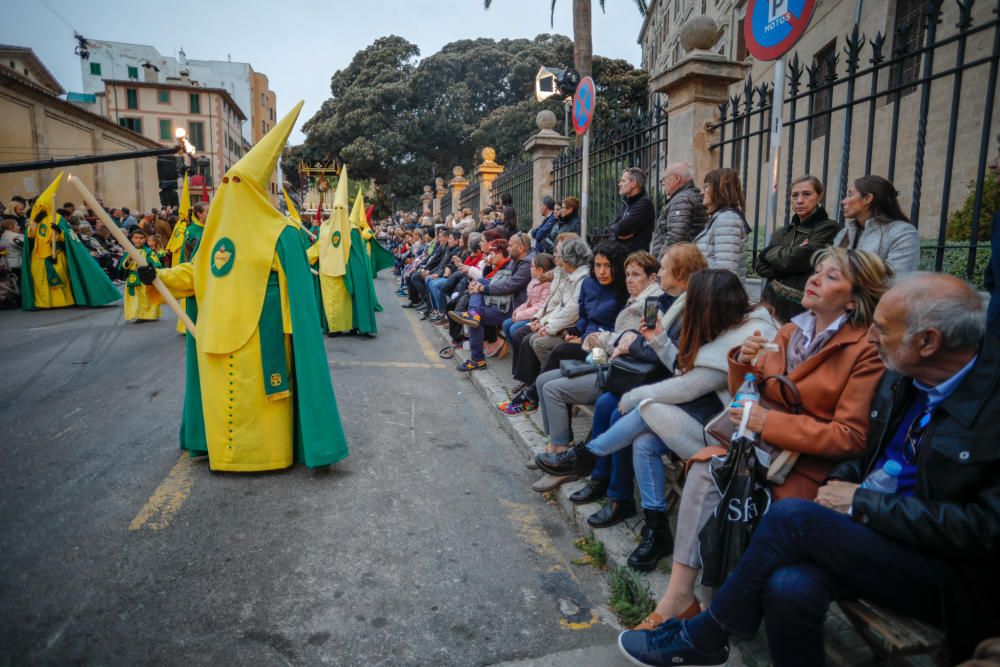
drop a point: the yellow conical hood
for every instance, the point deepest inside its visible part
(46, 202)
(258, 165)
(335, 234)
(177, 237)
(292, 213)
(237, 248)
(358, 211)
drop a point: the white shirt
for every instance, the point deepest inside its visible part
(806, 322)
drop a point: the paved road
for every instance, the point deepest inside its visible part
(425, 547)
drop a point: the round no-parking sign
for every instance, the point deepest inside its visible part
(771, 27)
(584, 103)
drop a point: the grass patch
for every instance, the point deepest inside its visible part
(631, 599)
(593, 552)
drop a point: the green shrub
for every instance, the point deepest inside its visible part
(960, 221)
(956, 257)
(631, 599)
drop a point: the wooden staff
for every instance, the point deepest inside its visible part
(137, 257)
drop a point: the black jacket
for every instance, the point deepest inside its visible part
(444, 261)
(633, 225)
(954, 517)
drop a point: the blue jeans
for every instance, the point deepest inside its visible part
(802, 557)
(434, 286)
(489, 316)
(510, 326)
(617, 466)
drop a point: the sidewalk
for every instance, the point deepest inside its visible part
(495, 385)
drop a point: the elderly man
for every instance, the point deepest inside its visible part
(683, 215)
(633, 225)
(928, 550)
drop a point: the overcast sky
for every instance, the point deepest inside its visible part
(297, 44)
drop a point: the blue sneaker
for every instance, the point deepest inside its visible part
(667, 645)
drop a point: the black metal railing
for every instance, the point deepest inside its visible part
(517, 180)
(470, 198)
(920, 113)
(446, 205)
(638, 139)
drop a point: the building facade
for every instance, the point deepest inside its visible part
(38, 125)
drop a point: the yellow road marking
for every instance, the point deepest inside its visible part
(386, 364)
(161, 507)
(594, 620)
(418, 333)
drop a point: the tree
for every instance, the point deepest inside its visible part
(583, 41)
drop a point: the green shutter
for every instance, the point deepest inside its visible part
(195, 103)
(133, 72)
(165, 133)
(163, 96)
(95, 69)
(132, 98)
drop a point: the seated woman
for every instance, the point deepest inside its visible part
(787, 261)
(560, 332)
(542, 266)
(825, 351)
(670, 416)
(876, 222)
(613, 475)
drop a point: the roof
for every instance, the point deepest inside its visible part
(131, 83)
(6, 78)
(40, 69)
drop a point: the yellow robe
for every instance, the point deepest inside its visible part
(244, 430)
(336, 298)
(48, 296)
(145, 303)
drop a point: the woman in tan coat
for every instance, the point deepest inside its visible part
(825, 352)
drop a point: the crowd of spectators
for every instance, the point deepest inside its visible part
(887, 364)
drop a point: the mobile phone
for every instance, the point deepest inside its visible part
(649, 311)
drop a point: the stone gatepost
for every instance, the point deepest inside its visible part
(458, 183)
(426, 199)
(695, 87)
(439, 192)
(544, 147)
(486, 173)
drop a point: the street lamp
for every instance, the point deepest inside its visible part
(556, 82)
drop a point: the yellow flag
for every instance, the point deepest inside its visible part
(177, 238)
(292, 213)
(335, 234)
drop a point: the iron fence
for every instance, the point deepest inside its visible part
(517, 180)
(636, 140)
(446, 205)
(470, 198)
(920, 111)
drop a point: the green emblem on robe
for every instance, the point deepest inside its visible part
(335, 240)
(223, 256)
(43, 230)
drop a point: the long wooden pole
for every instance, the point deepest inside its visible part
(136, 256)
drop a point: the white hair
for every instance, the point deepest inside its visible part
(944, 303)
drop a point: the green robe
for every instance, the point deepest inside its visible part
(319, 436)
(379, 258)
(192, 435)
(88, 282)
(361, 287)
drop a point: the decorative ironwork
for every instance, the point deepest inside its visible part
(517, 180)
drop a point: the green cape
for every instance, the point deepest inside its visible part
(358, 280)
(88, 282)
(192, 433)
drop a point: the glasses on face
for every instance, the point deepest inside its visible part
(914, 435)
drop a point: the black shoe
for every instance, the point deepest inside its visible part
(657, 542)
(613, 512)
(576, 461)
(594, 491)
(410, 305)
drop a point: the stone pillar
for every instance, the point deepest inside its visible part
(458, 183)
(426, 199)
(439, 192)
(695, 87)
(486, 173)
(544, 148)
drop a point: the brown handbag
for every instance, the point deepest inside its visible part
(721, 427)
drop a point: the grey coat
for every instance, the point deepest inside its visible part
(723, 242)
(895, 241)
(681, 219)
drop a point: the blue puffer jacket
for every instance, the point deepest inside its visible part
(598, 307)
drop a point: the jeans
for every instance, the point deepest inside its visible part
(510, 326)
(434, 286)
(802, 557)
(617, 467)
(489, 315)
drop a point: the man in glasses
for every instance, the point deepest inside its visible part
(930, 550)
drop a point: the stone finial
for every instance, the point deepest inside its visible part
(699, 33)
(458, 171)
(545, 120)
(439, 182)
(488, 154)
(427, 189)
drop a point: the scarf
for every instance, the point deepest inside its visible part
(798, 351)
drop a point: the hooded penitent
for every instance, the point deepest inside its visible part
(266, 395)
(331, 252)
(56, 269)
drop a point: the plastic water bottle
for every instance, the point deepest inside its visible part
(885, 479)
(747, 391)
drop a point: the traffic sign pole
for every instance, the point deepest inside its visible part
(584, 185)
(584, 104)
(777, 107)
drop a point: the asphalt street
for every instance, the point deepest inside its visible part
(425, 547)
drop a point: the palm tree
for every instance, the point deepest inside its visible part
(583, 43)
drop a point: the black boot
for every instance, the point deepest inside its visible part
(613, 512)
(657, 542)
(576, 461)
(595, 490)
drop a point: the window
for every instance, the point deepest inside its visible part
(133, 72)
(195, 100)
(95, 69)
(166, 133)
(132, 98)
(263, 126)
(742, 52)
(163, 96)
(134, 124)
(908, 27)
(206, 171)
(262, 102)
(196, 133)
(826, 69)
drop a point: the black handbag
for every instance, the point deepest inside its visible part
(625, 373)
(571, 368)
